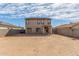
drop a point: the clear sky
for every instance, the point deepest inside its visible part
(15, 13)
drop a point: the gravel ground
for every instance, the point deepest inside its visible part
(51, 45)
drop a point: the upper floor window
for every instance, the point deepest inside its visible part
(43, 23)
(49, 22)
(37, 23)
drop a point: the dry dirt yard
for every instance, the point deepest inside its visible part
(53, 45)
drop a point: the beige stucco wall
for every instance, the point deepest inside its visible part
(3, 32)
(6, 30)
(33, 24)
(76, 33)
(33, 28)
(50, 29)
(67, 32)
(41, 27)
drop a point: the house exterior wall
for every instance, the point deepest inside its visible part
(69, 30)
(33, 29)
(8, 30)
(65, 31)
(50, 30)
(3, 32)
(76, 31)
(35, 23)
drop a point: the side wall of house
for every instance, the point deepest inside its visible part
(3, 32)
(12, 32)
(76, 33)
(9, 32)
(67, 32)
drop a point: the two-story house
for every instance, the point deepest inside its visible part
(38, 25)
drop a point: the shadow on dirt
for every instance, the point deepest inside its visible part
(21, 33)
(73, 38)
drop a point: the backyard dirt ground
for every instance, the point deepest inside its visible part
(51, 45)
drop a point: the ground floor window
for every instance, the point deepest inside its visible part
(38, 30)
(29, 30)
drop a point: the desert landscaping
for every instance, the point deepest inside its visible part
(49, 45)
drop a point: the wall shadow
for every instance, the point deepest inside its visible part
(73, 38)
(21, 33)
(13, 32)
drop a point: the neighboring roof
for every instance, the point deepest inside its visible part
(65, 26)
(68, 25)
(4, 24)
(37, 18)
(76, 25)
